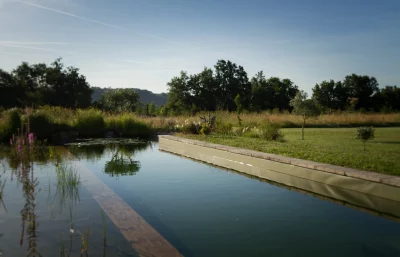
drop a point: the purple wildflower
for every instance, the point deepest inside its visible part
(11, 141)
(27, 110)
(19, 148)
(30, 138)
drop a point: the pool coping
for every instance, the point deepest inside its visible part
(328, 168)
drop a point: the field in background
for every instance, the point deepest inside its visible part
(285, 120)
(93, 123)
(337, 146)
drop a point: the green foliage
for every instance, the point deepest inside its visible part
(337, 146)
(365, 133)
(272, 93)
(89, 123)
(152, 108)
(362, 88)
(271, 132)
(205, 129)
(209, 90)
(127, 125)
(331, 95)
(38, 84)
(68, 178)
(191, 128)
(9, 124)
(41, 124)
(120, 100)
(304, 107)
(223, 128)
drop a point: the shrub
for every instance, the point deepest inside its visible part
(9, 124)
(271, 132)
(191, 128)
(128, 126)
(89, 123)
(365, 133)
(223, 128)
(41, 124)
(205, 129)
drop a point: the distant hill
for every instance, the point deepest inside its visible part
(146, 96)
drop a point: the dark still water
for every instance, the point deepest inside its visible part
(201, 210)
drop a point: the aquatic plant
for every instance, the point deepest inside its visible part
(104, 227)
(62, 247)
(2, 189)
(68, 184)
(85, 242)
(2, 185)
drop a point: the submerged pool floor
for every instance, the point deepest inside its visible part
(200, 209)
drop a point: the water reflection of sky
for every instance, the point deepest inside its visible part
(202, 210)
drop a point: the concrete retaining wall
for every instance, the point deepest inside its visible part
(366, 189)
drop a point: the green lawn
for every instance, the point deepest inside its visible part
(336, 146)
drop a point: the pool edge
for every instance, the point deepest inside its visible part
(262, 164)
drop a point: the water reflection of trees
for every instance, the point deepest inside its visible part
(122, 163)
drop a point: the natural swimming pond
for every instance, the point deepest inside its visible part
(199, 209)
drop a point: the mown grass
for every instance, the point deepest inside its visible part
(337, 146)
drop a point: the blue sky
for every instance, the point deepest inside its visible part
(144, 43)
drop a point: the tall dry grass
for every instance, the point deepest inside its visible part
(286, 120)
(93, 123)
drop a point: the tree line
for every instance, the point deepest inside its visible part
(225, 87)
(41, 84)
(217, 88)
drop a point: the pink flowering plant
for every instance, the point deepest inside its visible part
(23, 144)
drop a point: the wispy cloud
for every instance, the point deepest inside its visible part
(33, 43)
(191, 46)
(28, 47)
(99, 22)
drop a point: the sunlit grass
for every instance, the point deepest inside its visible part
(94, 123)
(337, 146)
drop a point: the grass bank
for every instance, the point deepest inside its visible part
(94, 123)
(337, 146)
(88, 123)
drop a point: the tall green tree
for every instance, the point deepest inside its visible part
(232, 80)
(388, 99)
(331, 95)
(205, 90)
(179, 93)
(262, 92)
(362, 88)
(271, 93)
(120, 100)
(9, 90)
(39, 84)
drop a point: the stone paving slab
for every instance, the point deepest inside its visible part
(145, 240)
(348, 172)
